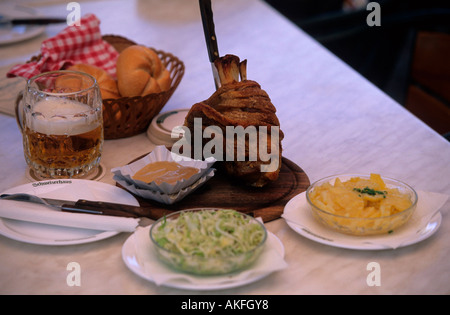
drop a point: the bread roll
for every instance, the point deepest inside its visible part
(68, 83)
(106, 83)
(141, 72)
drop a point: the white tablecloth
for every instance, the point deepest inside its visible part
(333, 119)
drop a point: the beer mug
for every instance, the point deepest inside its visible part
(60, 116)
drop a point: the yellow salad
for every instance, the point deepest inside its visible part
(361, 205)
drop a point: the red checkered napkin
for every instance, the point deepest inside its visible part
(75, 44)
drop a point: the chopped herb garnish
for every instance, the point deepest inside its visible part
(370, 191)
(163, 224)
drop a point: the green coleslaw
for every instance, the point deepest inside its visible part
(209, 241)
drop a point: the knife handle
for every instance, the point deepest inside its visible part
(37, 21)
(116, 209)
(109, 208)
(93, 210)
(208, 28)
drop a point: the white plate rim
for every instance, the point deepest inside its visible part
(31, 32)
(8, 229)
(303, 231)
(129, 255)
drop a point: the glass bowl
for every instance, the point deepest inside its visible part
(360, 225)
(208, 241)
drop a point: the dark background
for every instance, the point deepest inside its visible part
(408, 56)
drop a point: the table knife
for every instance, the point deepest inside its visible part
(31, 21)
(91, 207)
(210, 37)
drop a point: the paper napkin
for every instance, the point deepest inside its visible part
(26, 211)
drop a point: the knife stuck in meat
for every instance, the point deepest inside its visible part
(210, 37)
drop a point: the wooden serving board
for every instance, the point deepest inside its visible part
(222, 191)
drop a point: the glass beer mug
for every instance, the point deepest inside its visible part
(62, 125)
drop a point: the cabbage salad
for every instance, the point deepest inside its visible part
(210, 233)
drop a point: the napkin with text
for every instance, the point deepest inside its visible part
(75, 44)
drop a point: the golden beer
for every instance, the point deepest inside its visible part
(62, 131)
(61, 154)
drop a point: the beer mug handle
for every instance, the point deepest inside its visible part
(18, 110)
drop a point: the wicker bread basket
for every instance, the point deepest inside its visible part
(128, 116)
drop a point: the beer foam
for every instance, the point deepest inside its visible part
(55, 116)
